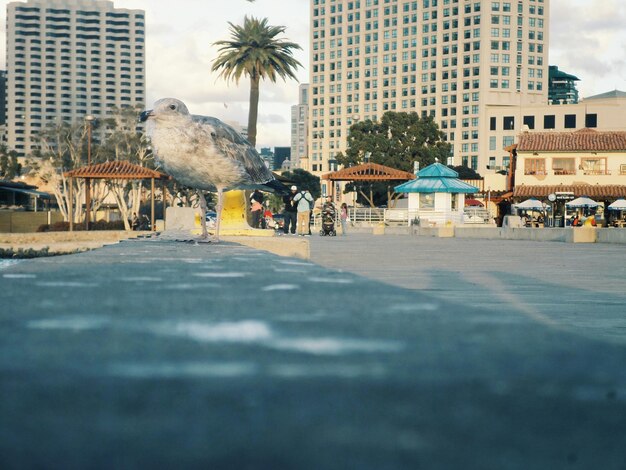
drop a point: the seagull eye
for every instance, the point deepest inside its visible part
(172, 106)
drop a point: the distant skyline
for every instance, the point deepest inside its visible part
(587, 39)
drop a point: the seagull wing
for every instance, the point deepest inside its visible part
(232, 144)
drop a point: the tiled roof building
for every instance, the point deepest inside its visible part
(585, 162)
(581, 140)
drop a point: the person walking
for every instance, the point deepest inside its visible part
(304, 201)
(290, 211)
(256, 209)
(343, 217)
(257, 196)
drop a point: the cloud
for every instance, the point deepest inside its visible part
(588, 39)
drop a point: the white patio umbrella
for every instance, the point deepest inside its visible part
(582, 202)
(531, 205)
(619, 205)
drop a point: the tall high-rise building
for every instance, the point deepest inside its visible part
(3, 97)
(300, 126)
(68, 59)
(449, 59)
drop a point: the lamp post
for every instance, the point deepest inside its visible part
(89, 121)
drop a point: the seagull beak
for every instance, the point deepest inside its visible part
(143, 117)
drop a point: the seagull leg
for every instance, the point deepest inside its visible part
(205, 233)
(218, 210)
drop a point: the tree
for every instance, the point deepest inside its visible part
(255, 52)
(305, 180)
(64, 148)
(9, 165)
(125, 143)
(397, 140)
(466, 172)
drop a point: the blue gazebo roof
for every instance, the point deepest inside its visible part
(437, 170)
(436, 178)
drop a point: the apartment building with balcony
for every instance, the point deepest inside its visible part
(449, 59)
(68, 59)
(586, 162)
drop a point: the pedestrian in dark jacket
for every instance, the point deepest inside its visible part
(290, 212)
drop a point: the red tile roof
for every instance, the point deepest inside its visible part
(369, 172)
(115, 170)
(594, 191)
(581, 140)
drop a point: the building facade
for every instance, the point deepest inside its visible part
(68, 59)
(605, 112)
(3, 97)
(585, 162)
(280, 155)
(449, 59)
(300, 126)
(561, 87)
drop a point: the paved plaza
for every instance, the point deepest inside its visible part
(576, 287)
(384, 352)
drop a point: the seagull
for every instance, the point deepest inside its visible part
(205, 154)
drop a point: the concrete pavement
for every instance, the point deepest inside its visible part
(574, 287)
(159, 354)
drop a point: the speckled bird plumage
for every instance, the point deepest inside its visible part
(202, 152)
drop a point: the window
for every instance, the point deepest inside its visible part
(492, 124)
(427, 201)
(564, 166)
(474, 162)
(508, 123)
(548, 121)
(535, 166)
(455, 201)
(492, 142)
(591, 120)
(570, 121)
(594, 166)
(529, 121)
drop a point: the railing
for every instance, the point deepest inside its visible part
(366, 215)
(476, 215)
(372, 216)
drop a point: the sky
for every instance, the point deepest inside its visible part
(587, 39)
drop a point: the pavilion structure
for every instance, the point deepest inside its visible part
(116, 170)
(367, 172)
(437, 195)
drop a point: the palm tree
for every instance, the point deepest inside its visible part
(254, 51)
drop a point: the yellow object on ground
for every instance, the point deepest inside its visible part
(234, 221)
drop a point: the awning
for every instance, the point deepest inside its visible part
(594, 191)
(30, 192)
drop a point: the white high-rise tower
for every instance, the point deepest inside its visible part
(449, 59)
(68, 59)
